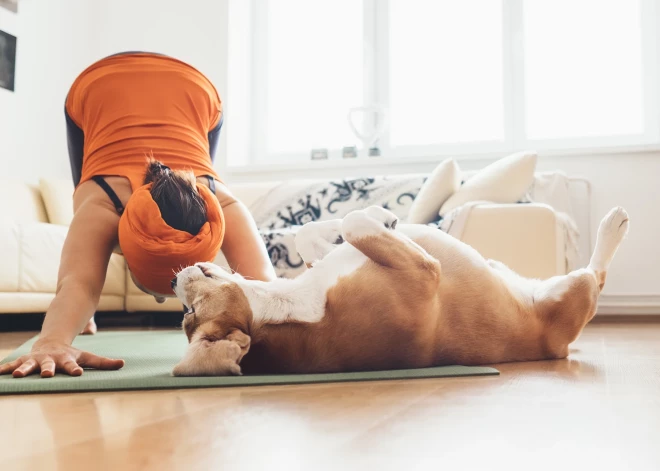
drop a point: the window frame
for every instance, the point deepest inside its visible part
(376, 89)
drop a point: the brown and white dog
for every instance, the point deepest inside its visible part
(381, 296)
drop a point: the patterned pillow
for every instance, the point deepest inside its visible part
(286, 208)
(334, 199)
(281, 247)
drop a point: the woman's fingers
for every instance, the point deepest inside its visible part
(90, 360)
(11, 366)
(47, 367)
(59, 361)
(72, 368)
(26, 368)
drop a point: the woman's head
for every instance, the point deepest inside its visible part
(169, 223)
(175, 193)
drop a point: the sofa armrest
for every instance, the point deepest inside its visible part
(525, 237)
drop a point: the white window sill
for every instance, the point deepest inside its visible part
(313, 168)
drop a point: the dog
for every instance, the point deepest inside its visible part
(378, 295)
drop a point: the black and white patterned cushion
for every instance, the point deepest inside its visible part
(284, 211)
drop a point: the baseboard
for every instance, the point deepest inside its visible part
(633, 305)
(104, 320)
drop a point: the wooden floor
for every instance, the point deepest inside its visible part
(599, 409)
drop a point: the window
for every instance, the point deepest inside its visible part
(314, 72)
(587, 80)
(456, 77)
(440, 93)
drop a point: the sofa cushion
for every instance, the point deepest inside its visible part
(443, 182)
(504, 181)
(9, 268)
(58, 199)
(40, 247)
(251, 194)
(36, 265)
(21, 202)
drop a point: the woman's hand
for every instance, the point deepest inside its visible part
(49, 356)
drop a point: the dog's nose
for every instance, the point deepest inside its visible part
(173, 283)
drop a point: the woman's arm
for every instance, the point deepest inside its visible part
(85, 256)
(83, 267)
(243, 247)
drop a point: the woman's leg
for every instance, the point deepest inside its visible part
(75, 139)
(214, 138)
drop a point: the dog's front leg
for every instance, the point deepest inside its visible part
(372, 232)
(317, 239)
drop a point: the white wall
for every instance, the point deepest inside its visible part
(54, 44)
(9, 100)
(630, 181)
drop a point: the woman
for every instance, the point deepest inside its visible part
(142, 133)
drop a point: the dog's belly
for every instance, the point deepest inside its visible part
(314, 284)
(470, 318)
(456, 257)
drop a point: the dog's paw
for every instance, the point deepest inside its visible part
(611, 232)
(315, 240)
(367, 222)
(328, 231)
(211, 270)
(385, 217)
(614, 225)
(210, 358)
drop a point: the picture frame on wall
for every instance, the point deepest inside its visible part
(11, 5)
(7, 60)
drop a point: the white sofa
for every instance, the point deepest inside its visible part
(34, 220)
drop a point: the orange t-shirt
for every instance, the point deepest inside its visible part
(136, 105)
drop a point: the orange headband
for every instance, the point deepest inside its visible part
(155, 251)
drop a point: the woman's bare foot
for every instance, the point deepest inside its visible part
(90, 328)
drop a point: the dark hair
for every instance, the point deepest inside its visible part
(175, 193)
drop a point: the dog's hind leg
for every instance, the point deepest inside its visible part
(611, 232)
(567, 303)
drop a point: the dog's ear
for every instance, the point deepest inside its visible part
(207, 357)
(241, 339)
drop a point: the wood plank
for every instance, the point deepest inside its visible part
(598, 409)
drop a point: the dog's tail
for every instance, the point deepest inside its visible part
(611, 232)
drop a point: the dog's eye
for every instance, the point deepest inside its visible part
(191, 310)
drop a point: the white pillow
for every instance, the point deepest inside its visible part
(440, 185)
(504, 181)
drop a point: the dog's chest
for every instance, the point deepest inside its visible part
(326, 274)
(342, 262)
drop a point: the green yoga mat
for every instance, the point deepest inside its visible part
(151, 355)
